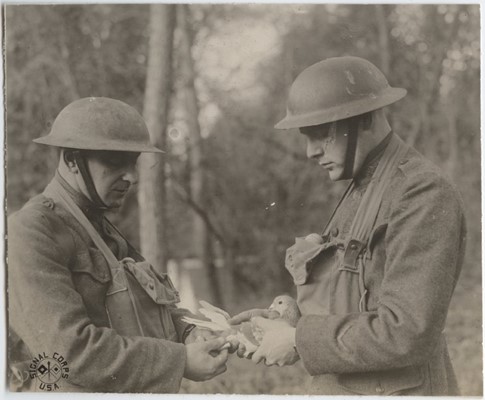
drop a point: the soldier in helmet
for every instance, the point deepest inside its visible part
(374, 288)
(86, 312)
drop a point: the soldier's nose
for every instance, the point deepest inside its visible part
(314, 149)
(131, 176)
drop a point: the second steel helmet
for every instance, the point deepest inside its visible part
(337, 88)
(100, 123)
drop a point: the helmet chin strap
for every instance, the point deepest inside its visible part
(88, 180)
(351, 148)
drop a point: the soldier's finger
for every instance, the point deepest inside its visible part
(221, 357)
(257, 357)
(233, 345)
(272, 314)
(214, 344)
(216, 353)
(267, 313)
(240, 318)
(241, 350)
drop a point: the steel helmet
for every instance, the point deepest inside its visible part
(337, 88)
(100, 123)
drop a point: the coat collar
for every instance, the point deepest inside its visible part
(364, 176)
(87, 206)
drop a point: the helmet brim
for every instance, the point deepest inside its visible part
(343, 111)
(107, 145)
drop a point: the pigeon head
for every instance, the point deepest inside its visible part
(281, 304)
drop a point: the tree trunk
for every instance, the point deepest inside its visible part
(152, 196)
(201, 239)
(383, 39)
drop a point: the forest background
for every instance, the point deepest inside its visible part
(231, 193)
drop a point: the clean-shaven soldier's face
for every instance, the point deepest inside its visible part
(327, 144)
(113, 173)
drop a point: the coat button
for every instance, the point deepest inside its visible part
(353, 246)
(334, 232)
(402, 162)
(48, 203)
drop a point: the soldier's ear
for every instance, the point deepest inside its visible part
(70, 161)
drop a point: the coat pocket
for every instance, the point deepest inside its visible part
(158, 287)
(139, 300)
(301, 256)
(408, 380)
(92, 262)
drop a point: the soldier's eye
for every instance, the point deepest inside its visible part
(280, 302)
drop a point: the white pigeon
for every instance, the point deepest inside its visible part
(247, 333)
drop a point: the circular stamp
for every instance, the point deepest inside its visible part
(49, 371)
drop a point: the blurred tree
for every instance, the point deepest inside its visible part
(201, 235)
(152, 197)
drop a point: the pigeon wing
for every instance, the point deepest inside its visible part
(216, 318)
(213, 326)
(210, 307)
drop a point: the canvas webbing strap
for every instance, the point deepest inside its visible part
(118, 278)
(369, 207)
(348, 190)
(366, 214)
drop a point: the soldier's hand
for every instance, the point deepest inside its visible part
(255, 312)
(278, 344)
(205, 360)
(200, 335)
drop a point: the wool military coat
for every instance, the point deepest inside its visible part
(57, 283)
(395, 345)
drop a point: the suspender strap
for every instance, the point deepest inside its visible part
(366, 214)
(349, 189)
(119, 281)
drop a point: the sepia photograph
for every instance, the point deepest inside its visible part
(243, 199)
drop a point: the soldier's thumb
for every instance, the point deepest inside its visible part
(214, 344)
(272, 314)
(257, 356)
